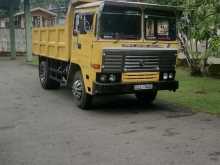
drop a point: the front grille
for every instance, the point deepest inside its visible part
(140, 77)
(112, 61)
(139, 60)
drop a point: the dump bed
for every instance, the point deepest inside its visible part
(55, 42)
(50, 42)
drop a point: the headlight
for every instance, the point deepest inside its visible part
(171, 76)
(165, 76)
(108, 77)
(112, 78)
(103, 78)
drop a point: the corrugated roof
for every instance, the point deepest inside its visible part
(40, 9)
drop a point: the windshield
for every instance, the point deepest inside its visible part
(120, 23)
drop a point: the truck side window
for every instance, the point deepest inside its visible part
(87, 20)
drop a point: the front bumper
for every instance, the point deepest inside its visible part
(101, 89)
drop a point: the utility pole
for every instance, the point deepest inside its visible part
(12, 31)
(28, 30)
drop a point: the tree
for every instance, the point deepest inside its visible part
(46, 3)
(200, 24)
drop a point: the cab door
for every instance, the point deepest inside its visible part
(83, 34)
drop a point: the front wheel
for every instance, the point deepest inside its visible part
(81, 98)
(147, 97)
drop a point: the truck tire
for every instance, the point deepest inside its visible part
(81, 98)
(44, 75)
(146, 98)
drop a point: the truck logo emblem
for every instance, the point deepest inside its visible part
(141, 63)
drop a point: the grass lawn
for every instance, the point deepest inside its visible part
(197, 93)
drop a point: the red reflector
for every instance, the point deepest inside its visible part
(96, 66)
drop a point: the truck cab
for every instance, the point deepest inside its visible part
(113, 47)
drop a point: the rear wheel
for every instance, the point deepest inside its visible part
(146, 97)
(81, 98)
(44, 75)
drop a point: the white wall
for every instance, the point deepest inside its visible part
(5, 40)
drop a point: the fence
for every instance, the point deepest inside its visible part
(19, 40)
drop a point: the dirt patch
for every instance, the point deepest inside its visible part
(86, 153)
(8, 127)
(171, 132)
(206, 120)
(179, 114)
(129, 131)
(150, 128)
(133, 122)
(214, 156)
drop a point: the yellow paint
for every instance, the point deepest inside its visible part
(50, 42)
(140, 77)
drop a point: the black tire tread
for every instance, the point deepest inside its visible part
(86, 100)
(48, 83)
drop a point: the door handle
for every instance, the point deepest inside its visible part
(79, 45)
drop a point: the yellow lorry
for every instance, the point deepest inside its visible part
(110, 47)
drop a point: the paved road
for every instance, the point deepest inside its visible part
(40, 127)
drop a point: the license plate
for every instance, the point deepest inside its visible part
(143, 87)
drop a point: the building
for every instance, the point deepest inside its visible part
(40, 18)
(4, 22)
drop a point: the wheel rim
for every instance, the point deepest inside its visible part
(77, 89)
(42, 72)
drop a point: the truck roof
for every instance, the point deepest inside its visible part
(130, 4)
(91, 4)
